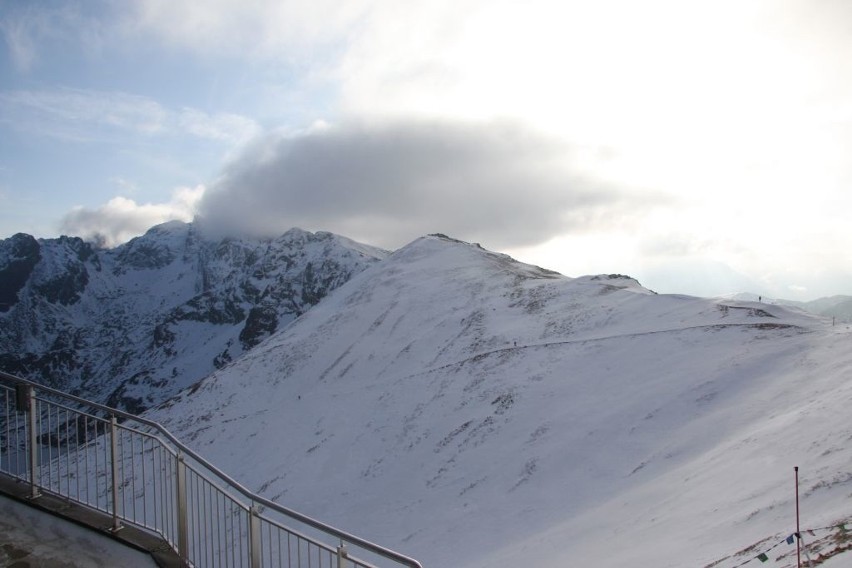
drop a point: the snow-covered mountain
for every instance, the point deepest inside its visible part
(473, 411)
(133, 325)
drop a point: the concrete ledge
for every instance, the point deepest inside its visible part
(129, 535)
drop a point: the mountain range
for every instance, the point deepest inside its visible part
(133, 325)
(463, 407)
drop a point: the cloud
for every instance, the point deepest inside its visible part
(80, 106)
(30, 29)
(18, 35)
(701, 276)
(224, 127)
(389, 183)
(80, 114)
(124, 185)
(121, 219)
(258, 28)
(84, 114)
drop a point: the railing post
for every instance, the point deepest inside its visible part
(33, 446)
(342, 555)
(180, 485)
(254, 537)
(116, 503)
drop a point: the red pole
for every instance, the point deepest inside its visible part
(798, 538)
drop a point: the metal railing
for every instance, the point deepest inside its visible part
(137, 472)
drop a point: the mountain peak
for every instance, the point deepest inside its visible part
(449, 253)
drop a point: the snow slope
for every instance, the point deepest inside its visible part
(473, 411)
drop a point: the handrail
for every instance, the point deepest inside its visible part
(228, 481)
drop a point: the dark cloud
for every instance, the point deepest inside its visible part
(388, 184)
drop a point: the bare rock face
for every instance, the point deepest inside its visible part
(20, 254)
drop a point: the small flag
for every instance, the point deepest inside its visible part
(790, 539)
(762, 557)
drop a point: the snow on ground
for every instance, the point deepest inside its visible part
(472, 411)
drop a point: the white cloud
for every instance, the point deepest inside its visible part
(126, 186)
(262, 28)
(30, 30)
(76, 112)
(121, 219)
(224, 127)
(18, 34)
(86, 114)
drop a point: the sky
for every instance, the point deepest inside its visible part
(701, 147)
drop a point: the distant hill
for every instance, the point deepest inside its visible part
(838, 307)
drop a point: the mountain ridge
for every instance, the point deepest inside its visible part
(472, 411)
(132, 325)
